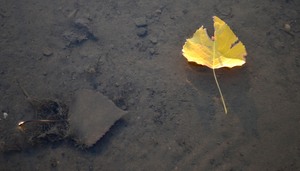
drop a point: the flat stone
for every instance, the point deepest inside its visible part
(91, 115)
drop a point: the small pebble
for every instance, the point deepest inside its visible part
(5, 115)
(140, 22)
(153, 39)
(47, 52)
(158, 12)
(287, 27)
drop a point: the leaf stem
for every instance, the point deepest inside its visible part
(221, 94)
(223, 101)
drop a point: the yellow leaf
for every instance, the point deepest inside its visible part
(223, 50)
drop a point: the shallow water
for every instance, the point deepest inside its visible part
(131, 52)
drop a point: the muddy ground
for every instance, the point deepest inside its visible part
(130, 51)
